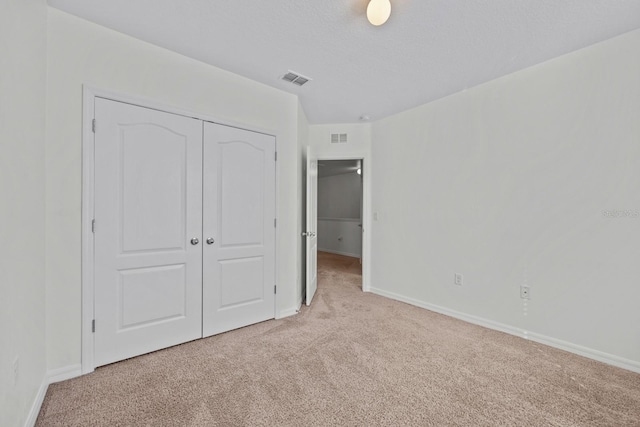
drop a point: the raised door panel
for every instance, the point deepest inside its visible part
(146, 149)
(241, 168)
(151, 295)
(241, 281)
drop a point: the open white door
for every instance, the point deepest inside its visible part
(312, 221)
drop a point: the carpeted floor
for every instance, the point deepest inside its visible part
(351, 359)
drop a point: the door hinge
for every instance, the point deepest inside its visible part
(276, 156)
(275, 222)
(93, 325)
(93, 125)
(93, 225)
(274, 289)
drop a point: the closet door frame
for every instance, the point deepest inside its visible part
(89, 95)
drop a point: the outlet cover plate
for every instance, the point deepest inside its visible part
(458, 279)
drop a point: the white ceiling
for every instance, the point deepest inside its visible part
(427, 50)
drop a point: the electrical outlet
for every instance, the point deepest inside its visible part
(16, 369)
(525, 292)
(458, 279)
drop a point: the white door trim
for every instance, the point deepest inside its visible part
(366, 211)
(89, 94)
(88, 212)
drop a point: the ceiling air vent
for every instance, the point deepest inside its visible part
(338, 138)
(295, 78)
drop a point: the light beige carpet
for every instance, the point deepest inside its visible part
(351, 359)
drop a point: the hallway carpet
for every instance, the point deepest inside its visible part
(351, 359)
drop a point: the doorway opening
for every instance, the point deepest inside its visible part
(337, 212)
(339, 222)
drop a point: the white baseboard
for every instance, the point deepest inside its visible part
(590, 353)
(37, 404)
(290, 311)
(331, 251)
(600, 356)
(53, 376)
(65, 373)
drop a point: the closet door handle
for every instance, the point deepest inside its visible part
(210, 241)
(195, 241)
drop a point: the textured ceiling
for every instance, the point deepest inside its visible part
(428, 49)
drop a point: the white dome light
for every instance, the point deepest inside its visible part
(378, 11)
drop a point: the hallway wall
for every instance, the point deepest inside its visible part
(339, 199)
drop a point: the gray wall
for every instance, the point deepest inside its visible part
(339, 200)
(339, 196)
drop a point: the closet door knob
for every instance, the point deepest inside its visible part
(195, 241)
(210, 241)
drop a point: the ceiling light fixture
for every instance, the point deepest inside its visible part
(359, 171)
(378, 11)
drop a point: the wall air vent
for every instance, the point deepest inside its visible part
(295, 78)
(338, 138)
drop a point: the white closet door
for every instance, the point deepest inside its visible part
(148, 208)
(238, 228)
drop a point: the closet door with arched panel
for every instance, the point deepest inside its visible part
(238, 228)
(148, 228)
